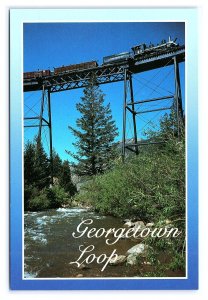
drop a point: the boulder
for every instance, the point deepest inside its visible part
(139, 249)
(129, 224)
(117, 260)
(126, 220)
(79, 275)
(150, 224)
(132, 259)
(139, 225)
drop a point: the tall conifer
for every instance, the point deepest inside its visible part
(95, 133)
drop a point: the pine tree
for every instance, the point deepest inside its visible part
(36, 165)
(42, 167)
(169, 127)
(57, 164)
(65, 179)
(29, 163)
(95, 139)
(36, 171)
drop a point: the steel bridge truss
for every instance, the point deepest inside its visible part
(81, 79)
(130, 107)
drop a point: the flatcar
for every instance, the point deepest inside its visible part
(75, 67)
(37, 74)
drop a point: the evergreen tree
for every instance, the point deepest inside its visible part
(29, 173)
(38, 194)
(36, 171)
(169, 128)
(65, 179)
(57, 164)
(36, 165)
(42, 167)
(29, 163)
(61, 170)
(95, 134)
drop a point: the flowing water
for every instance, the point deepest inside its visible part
(49, 246)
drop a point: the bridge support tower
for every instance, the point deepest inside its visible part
(130, 107)
(45, 120)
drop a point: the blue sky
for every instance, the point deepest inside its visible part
(48, 45)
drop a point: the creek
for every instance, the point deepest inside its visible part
(52, 245)
(49, 246)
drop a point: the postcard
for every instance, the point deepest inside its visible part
(103, 149)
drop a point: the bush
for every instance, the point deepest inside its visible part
(39, 202)
(30, 192)
(149, 187)
(57, 196)
(48, 198)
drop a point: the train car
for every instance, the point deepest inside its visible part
(116, 58)
(37, 74)
(75, 67)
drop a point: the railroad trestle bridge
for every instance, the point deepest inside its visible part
(110, 73)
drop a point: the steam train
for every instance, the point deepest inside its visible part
(140, 51)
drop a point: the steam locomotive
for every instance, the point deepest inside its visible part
(143, 50)
(140, 51)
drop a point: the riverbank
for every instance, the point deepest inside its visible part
(50, 247)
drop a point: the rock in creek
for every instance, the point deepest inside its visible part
(139, 249)
(132, 259)
(150, 224)
(140, 225)
(118, 260)
(135, 225)
(135, 252)
(129, 223)
(126, 220)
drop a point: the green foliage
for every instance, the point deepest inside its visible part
(62, 172)
(65, 180)
(57, 196)
(169, 127)
(168, 254)
(149, 186)
(36, 165)
(97, 131)
(178, 261)
(36, 173)
(48, 198)
(39, 202)
(38, 194)
(57, 164)
(30, 192)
